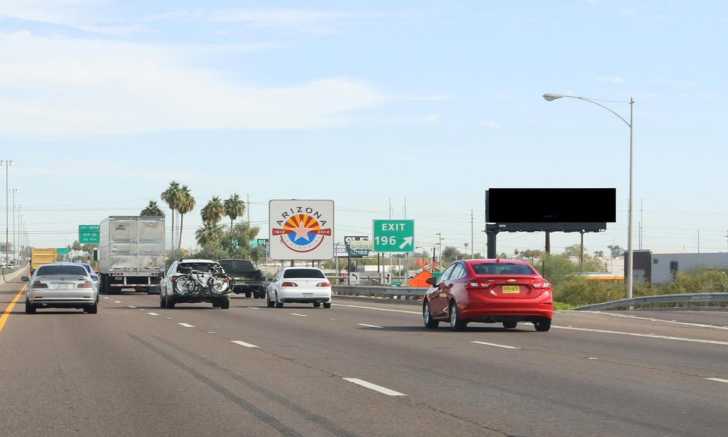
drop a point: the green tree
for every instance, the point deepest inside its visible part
(209, 234)
(171, 197)
(236, 242)
(450, 254)
(185, 204)
(234, 208)
(599, 254)
(573, 250)
(152, 210)
(615, 251)
(76, 246)
(213, 211)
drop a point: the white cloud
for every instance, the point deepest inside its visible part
(84, 15)
(86, 86)
(309, 21)
(617, 80)
(489, 124)
(626, 12)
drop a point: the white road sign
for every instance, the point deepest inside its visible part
(301, 229)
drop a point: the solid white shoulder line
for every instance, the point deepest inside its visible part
(496, 345)
(635, 334)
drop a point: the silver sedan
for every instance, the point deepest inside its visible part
(61, 285)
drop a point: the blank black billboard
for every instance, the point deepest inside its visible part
(551, 205)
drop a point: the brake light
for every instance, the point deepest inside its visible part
(323, 284)
(289, 284)
(38, 284)
(477, 286)
(541, 285)
(86, 284)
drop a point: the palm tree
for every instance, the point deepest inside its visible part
(234, 208)
(152, 210)
(213, 211)
(185, 205)
(208, 233)
(171, 196)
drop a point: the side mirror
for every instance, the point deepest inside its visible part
(25, 279)
(431, 281)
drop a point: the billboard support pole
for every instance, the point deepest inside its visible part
(491, 232)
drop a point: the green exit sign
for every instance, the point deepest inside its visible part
(62, 251)
(394, 235)
(89, 234)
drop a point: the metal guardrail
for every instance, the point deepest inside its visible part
(665, 301)
(412, 293)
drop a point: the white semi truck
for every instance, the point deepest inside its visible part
(131, 254)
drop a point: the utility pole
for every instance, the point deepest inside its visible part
(581, 253)
(13, 190)
(548, 243)
(247, 206)
(698, 240)
(472, 235)
(642, 221)
(439, 234)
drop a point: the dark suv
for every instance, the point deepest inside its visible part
(247, 278)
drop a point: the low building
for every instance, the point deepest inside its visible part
(659, 268)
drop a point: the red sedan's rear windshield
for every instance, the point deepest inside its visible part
(304, 274)
(502, 269)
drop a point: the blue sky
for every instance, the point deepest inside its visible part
(103, 102)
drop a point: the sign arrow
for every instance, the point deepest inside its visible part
(407, 241)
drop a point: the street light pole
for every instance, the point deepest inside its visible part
(549, 97)
(13, 191)
(7, 164)
(16, 231)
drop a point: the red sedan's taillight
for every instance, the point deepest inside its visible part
(86, 284)
(38, 284)
(323, 284)
(543, 284)
(479, 286)
(289, 284)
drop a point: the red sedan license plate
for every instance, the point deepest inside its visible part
(511, 289)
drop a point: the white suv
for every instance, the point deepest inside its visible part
(299, 285)
(194, 281)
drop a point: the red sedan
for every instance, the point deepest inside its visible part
(489, 291)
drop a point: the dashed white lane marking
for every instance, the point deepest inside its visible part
(504, 346)
(378, 309)
(242, 343)
(592, 358)
(186, 325)
(378, 388)
(717, 380)
(105, 297)
(635, 334)
(369, 326)
(117, 301)
(652, 319)
(132, 307)
(254, 308)
(153, 314)
(299, 315)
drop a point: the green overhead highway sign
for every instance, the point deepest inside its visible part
(88, 234)
(62, 251)
(394, 235)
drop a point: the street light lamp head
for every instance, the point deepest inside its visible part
(550, 97)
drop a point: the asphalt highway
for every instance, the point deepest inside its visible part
(357, 369)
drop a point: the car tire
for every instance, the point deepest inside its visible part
(542, 325)
(29, 307)
(225, 304)
(269, 302)
(216, 303)
(169, 302)
(317, 304)
(161, 301)
(510, 325)
(93, 309)
(327, 305)
(456, 324)
(430, 323)
(248, 294)
(278, 304)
